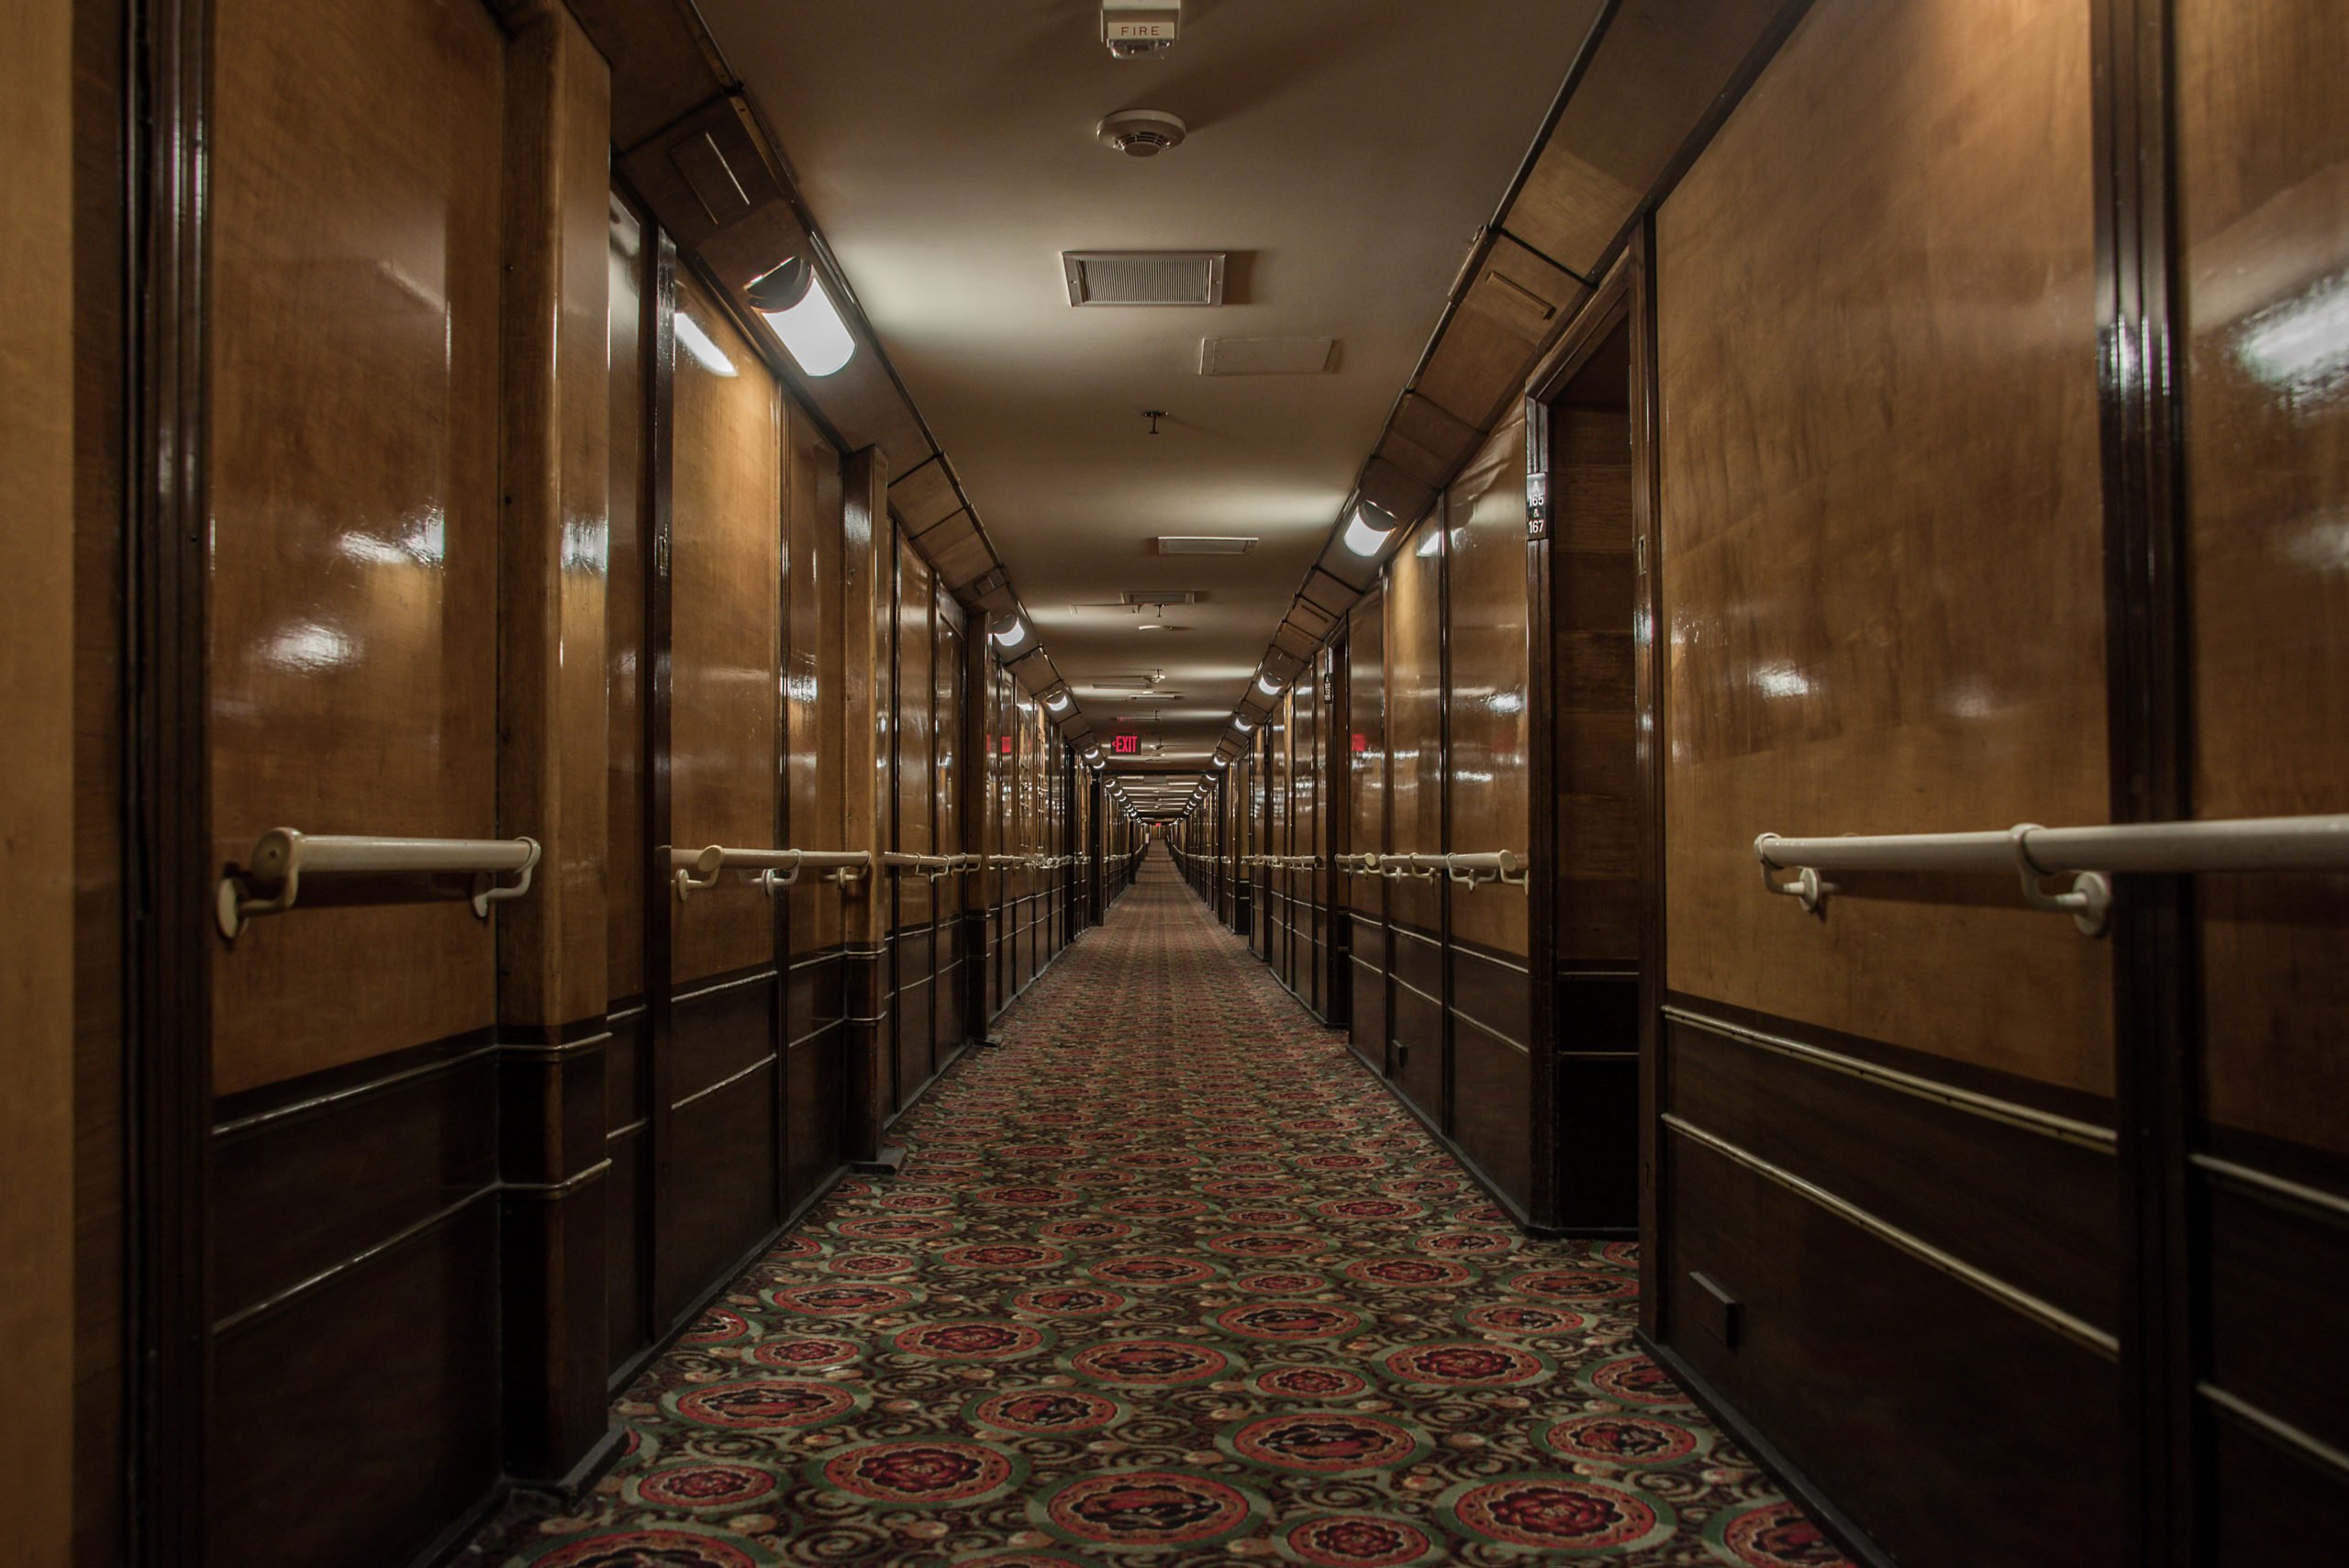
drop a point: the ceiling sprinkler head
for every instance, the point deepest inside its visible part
(1142, 133)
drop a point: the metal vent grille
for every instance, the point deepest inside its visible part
(1139, 596)
(1204, 544)
(1144, 277)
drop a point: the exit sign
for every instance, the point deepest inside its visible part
(1126, 745)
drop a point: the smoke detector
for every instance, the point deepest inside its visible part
(1142, 133)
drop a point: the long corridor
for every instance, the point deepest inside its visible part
(1167, 1275)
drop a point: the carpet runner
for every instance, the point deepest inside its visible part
(1170, 1279)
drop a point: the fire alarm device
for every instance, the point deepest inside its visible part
(1139, 29)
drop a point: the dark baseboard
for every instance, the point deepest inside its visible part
(1508, 1205)
(583, 1475)
(1790, 1479)
(616, 1384)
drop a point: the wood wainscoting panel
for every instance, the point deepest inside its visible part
(1952, 1430)
(726, 554)
(1882, 535)
(355, 274)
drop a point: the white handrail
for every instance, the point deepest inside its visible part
(1502, 866)
(2092, 856)
(1357, 865)
(932, 866)
(1471, 870)
(697, 870)
(282, 857)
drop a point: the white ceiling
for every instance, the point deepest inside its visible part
(1344, 151)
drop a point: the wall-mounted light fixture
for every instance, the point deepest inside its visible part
(1008, 631)
(795, 304)
(1057, 702)
(1244, 726)
(1363, 536)
(1266, 685)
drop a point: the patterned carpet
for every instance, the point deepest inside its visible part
(1170, 1279)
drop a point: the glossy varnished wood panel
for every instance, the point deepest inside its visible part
(2263, 193)
(1414, 728)
(624, 647)
(1881, 530)
(37, 869)
(915, 693)
(355, 273)
(725, 594)
(1491, 728)
(812, 678)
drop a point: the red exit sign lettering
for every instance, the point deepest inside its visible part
(1126, 745)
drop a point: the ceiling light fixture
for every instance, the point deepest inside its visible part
(1012, 633)
(795, 304)
(1057, 702)
(1265, 684)
(1363, 537)
(1244, 726)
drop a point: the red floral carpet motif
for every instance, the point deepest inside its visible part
(1169, 1280)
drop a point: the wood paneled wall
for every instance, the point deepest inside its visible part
(1958, 301)
(2262, 259)
(356, 241)
(1488, 987)
(1364, 798)
(1878, 475)
(37, 855)
(1415, 739)
(359, 232)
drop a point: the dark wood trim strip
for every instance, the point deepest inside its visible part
(657, 671)
(169, 960)
(2157, 1008)
(358, 1091)
(2312, 1449)
(2030, 1118)
(765, 1063)
(396, 1240)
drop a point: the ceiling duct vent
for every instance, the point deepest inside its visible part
(1204, 544)
(1267, 356)
(1144, 277)
(1140, 597)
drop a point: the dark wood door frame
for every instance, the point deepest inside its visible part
(1609, 308)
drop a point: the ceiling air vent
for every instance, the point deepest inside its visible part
(1267, 356)
(1204, 544)
(1139, 596)
(1144, 277)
